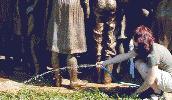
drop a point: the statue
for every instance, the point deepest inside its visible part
(66, 35)
(104, 11)
(162, 25)
(9, 31)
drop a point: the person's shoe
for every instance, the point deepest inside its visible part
(154, 97)
(158, 95)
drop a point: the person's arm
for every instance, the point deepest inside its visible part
(119, 58)
(149, 80)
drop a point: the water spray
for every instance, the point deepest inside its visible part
(57, 69)
(80, 66)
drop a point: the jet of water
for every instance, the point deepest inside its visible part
(57, 69)
(80, 66)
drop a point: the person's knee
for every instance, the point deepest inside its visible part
(140, 65)
(142, 68)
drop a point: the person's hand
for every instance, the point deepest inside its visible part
(29, 9)
(99, 64)
(145, 12)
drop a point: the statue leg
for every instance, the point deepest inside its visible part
(98, 30)
(27, 51)
(110, 51)
(72, 64)
(56, 66)
(73, 71)
(111, 42)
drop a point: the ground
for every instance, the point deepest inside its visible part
(13, 86)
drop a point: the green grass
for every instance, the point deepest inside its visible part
(91, 94)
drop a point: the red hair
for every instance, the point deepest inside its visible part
(143, 36)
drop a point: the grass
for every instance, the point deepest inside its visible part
(91, 94)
